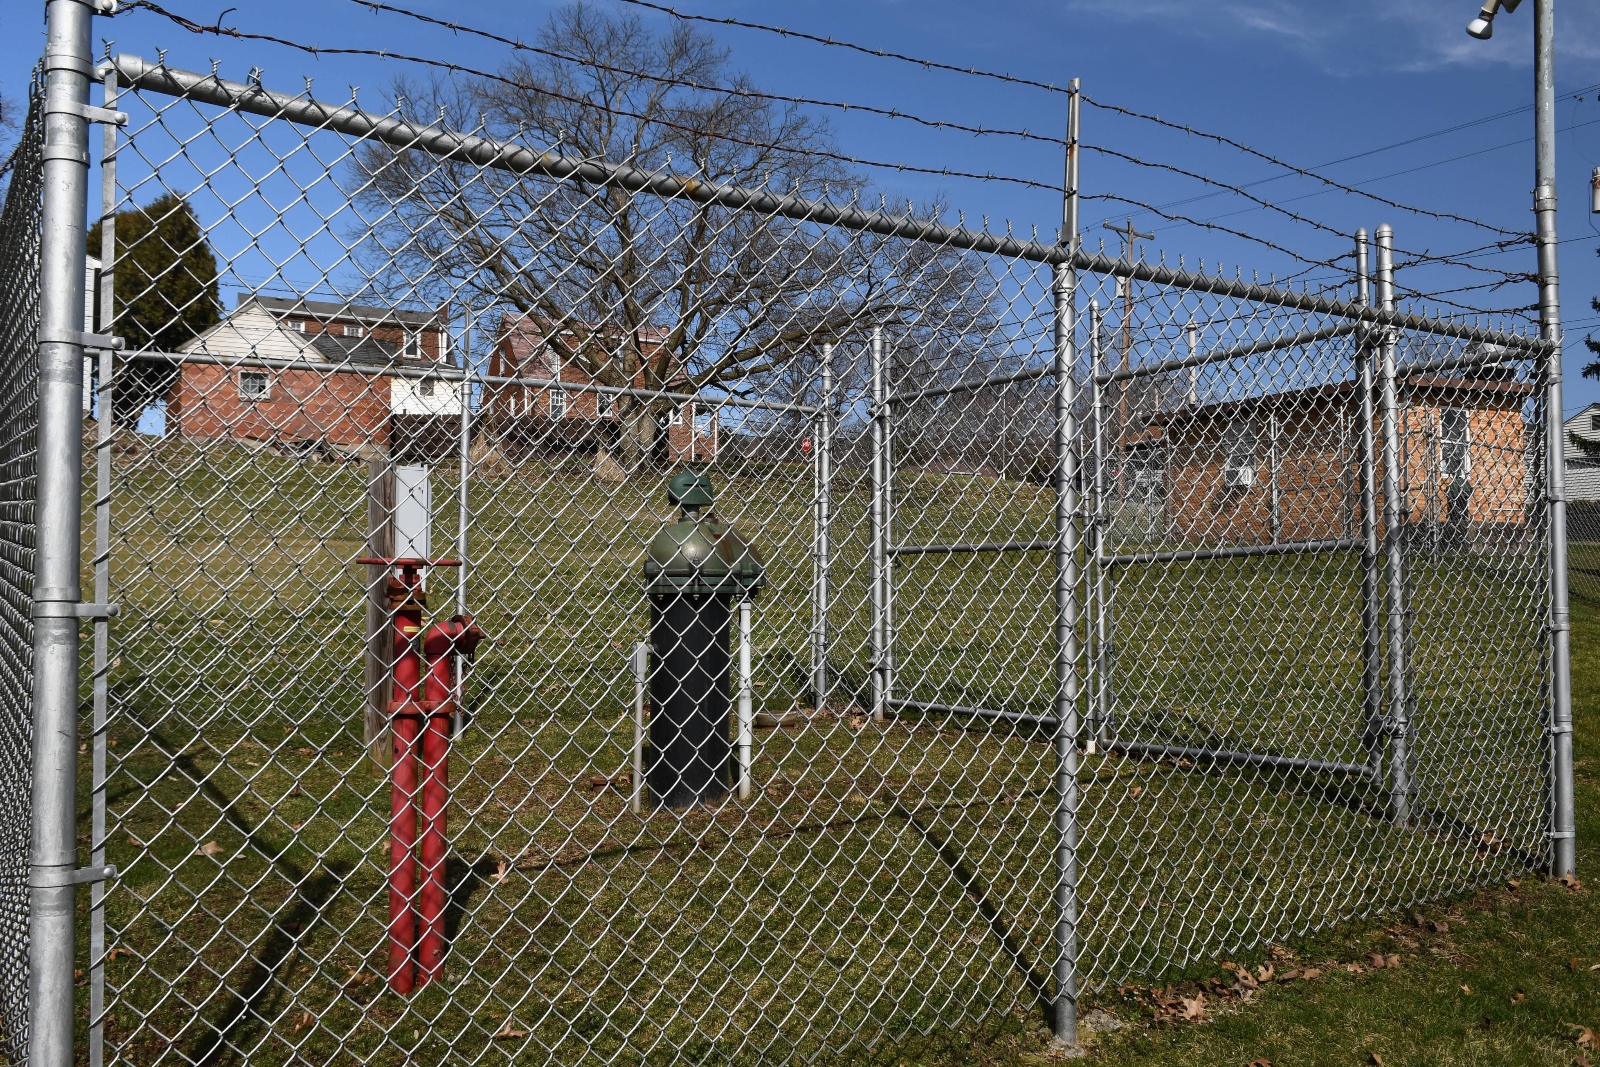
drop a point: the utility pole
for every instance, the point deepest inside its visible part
(1129, 236)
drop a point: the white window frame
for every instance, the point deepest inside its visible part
(1594, 421)
(351, 330)
(266, 386)
(1448, 443)
(297, 325)
(605, 404)
(411, 347)
(558, 403)
(1241, 453)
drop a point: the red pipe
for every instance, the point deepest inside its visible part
(420, 714)
(405, 713)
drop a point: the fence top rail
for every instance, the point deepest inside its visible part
(138, 73)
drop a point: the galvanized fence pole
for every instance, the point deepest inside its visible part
(105, 427)
(822, 642)
(746, 701)
(1100, 617)
(1064, 1021)
(1394, 511)
(463, 516)
(1563, 813)
(880, 530)
(53, 878)
(1371, 606)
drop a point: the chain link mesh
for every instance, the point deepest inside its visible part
(19, 393)
(442, 346)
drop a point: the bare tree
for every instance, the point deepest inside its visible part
(633, 288)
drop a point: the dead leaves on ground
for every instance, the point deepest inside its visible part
(509, 1031)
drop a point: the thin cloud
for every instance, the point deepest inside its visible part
(1361, 36)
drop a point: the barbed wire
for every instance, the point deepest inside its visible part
(458, 68)
(1053, 88)
(1061, 142)
(750, 94)
(318, 50)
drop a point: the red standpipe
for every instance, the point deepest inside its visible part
(444, 643)
(421, 713)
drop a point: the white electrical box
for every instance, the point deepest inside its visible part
(413, 512)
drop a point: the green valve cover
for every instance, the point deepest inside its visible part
(700, 553)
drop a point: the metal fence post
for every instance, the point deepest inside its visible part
(1371, 608)
(1394, 512)
(881, 472)
(463, 522)
(824, 537)
(105, 426)
(1100, 707)
(746, 738)
(68, 66)
(1064, 1023)
(1563, 814)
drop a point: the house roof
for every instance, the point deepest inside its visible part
(1487, 390)
(327, 309)
(354, 349)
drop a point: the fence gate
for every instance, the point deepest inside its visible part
(1113, 615)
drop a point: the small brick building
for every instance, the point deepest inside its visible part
(1286, 467)
(348, 404)
(563, 418)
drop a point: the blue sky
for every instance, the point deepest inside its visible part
(1308, 82)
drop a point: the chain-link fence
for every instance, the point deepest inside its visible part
(19, 395)
(1102, 615)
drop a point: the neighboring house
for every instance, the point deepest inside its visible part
(1285, 467)
(348, 404)
(573, 417)
(1582, 471)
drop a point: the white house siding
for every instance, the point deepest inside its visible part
(1582, 472)
(406, 397)
(251, 333)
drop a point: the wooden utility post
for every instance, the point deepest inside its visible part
(1129, 236)
(379, 670)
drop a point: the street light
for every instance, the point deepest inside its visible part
(1562, 832)
(1482, 27)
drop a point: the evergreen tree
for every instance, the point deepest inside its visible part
(166, 293)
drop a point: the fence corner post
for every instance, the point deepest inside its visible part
(53, 860)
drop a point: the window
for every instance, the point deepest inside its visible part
(1594, 422)
(354, 331)
(252, 385)
(1455, 443)
(558, 403)
(412, 347)
(676, 418)
(297, 325)
(425, 387)
(606, 404)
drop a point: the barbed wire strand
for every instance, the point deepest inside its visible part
(318, 50)
(1053, 88)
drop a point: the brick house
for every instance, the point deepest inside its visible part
(347, 404)
(573, 416)
(1285, 467)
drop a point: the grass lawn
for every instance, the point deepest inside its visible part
(890, 880)
(1507, 975)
